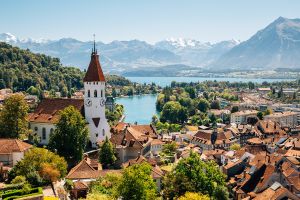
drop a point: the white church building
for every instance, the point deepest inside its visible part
(42, 121)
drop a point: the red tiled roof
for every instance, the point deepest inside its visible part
(48, 109)
(94, 71)
(83, 171)
(8, 146)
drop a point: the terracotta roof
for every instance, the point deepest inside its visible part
(79, 185)
(48, 109)
(276, 194)
(94, 71)
(8, 146)
(156, 142)
(83, 171)
(293, 153)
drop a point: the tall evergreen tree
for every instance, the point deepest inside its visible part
(71, 135)
(107, 154)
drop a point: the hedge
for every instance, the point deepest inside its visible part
(19, 194)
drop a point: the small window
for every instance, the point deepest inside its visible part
(101, 93)
(36, 128)
(95, 93)
(103, 132)
(96, 134)
(44, 133)
(89, 93)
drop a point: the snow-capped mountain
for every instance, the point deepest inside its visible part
(276, 46)
(118, 56)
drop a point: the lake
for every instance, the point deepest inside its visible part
(164, 81)
(141, 108)
(138, 108)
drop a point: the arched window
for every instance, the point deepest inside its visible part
(103, 132)
(101, 93)
(95, 93)
(44, 133)
(89, 93)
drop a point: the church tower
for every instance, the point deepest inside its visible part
(94, 100)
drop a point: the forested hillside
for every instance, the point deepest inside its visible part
(20, 69)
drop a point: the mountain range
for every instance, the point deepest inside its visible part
(276, 46)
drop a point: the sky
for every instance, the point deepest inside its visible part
(148, 20)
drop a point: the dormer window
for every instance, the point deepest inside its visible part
(95, 93)
(89, 93)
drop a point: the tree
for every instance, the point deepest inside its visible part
(260, 115)
(13, 117)
(107, 185)
(234, 109)
(203, 105)
(191, 174)
(235, 147)
(173, 112)
(97, 196)
(193, 196)
(50, 174)
(137, 183)
(169, 149)
(40, 164)
(215, 104)
(107, 154)
(71, 135)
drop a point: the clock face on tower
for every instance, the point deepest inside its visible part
(88, 102)
(102, 102)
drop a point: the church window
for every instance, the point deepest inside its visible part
(96, 134)
(101, 93)
(95, 93)
(103, 132)
(44, 133)
(89, 93)
(36, 128)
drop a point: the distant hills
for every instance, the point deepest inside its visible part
(276, 46)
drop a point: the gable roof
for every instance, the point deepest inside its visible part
(94, 71)
(8, 146)
(48, 109)
(83, 171)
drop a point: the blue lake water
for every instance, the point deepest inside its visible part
(141, 108)
(164, 81)
(138, 109)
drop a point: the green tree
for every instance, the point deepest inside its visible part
(71, 135)
(234, 109)
(191, 174)
(107, 154)
(203, 105)
(260, 115)
(194, 196)
(13, 117)
(137, 183)
(107, 185)
(34, 162)
(215, 104)
(235, 147)
(173, 112)
(33, 91)
(169, 149)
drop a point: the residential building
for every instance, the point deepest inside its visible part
(285, 119)
(12, 151)
(242, 116)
